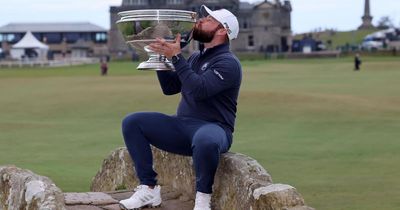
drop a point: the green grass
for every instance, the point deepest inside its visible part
(315, 124)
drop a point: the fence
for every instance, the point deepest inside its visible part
(49, 63)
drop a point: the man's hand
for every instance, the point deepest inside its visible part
(168, 49)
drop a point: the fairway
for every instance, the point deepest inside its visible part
(331, 132)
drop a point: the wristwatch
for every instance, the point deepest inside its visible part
(175, 59)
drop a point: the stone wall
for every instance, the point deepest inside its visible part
(22, 189)
(241, 183)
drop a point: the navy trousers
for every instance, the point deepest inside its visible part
(202, 140)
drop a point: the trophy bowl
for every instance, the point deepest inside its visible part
(141, 28)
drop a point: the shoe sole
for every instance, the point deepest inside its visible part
(145, 206)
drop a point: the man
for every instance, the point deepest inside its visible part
(357, 62)
(209, 83)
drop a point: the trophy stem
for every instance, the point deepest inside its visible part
(155, 62)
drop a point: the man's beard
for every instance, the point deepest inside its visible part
(203, 36)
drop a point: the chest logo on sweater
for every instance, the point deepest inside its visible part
(204, 67)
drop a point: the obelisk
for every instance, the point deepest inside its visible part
(367, 18)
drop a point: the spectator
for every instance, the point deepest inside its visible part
(357, 62)
(103, 66)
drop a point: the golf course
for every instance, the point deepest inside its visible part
(315, 124)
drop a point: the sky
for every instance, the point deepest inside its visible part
(307, 15)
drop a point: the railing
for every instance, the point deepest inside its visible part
(287, 55)
(49, 63)
(318, 54)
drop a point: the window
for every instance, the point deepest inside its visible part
(246, 23)
(1, 37)
(175, 2)
(138, 2)
(10, 38)
(13, 38)
(71, 37)
(53, 38)
(101, 37)
(38, 36)
(85, 36)
(250, 41)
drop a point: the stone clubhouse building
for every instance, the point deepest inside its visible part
(264, 27)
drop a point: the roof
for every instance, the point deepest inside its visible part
(246, 6)
(264, 4)
(29, 41)
(51, 27)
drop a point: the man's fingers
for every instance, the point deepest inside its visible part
(155, 47)
(167, 48)
(178, 38)
(161, 41)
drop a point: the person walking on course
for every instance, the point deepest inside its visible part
(209, 83)
(103, 66)
(357, 62)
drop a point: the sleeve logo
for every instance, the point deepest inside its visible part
(218, 74)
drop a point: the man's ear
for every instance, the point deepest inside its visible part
(222, 31)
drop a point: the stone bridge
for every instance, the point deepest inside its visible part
(240, 184)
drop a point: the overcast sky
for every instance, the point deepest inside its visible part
(307, 14)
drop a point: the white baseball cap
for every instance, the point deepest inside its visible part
(226, 18)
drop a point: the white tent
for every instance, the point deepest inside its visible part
(29, 46)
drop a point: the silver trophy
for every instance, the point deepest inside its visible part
(141, 28)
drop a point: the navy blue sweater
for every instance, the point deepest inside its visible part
(209, 84)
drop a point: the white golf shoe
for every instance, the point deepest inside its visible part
(143, 197)
(203, 201)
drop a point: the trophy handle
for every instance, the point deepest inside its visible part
(186, 39)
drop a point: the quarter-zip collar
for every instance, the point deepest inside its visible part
(216, 49)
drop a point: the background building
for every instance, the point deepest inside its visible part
(264, 27)
(61, 38)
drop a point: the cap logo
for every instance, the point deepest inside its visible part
(227, 28)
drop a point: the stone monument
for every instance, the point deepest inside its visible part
(367, 18)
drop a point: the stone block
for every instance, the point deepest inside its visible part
(240, 182)
(22, 189)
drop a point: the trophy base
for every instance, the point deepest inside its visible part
(156, 62)
(156, 66)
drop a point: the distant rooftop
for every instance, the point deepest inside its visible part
(246, 5)
(51, 27)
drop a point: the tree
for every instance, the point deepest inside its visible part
(385, 22)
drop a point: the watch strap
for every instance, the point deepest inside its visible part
(175, 58)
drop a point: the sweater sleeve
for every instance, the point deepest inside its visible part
(223, 74)
(169, 82)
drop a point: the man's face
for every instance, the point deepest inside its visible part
(205, 29)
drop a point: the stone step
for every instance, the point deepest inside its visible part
(109, 200)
